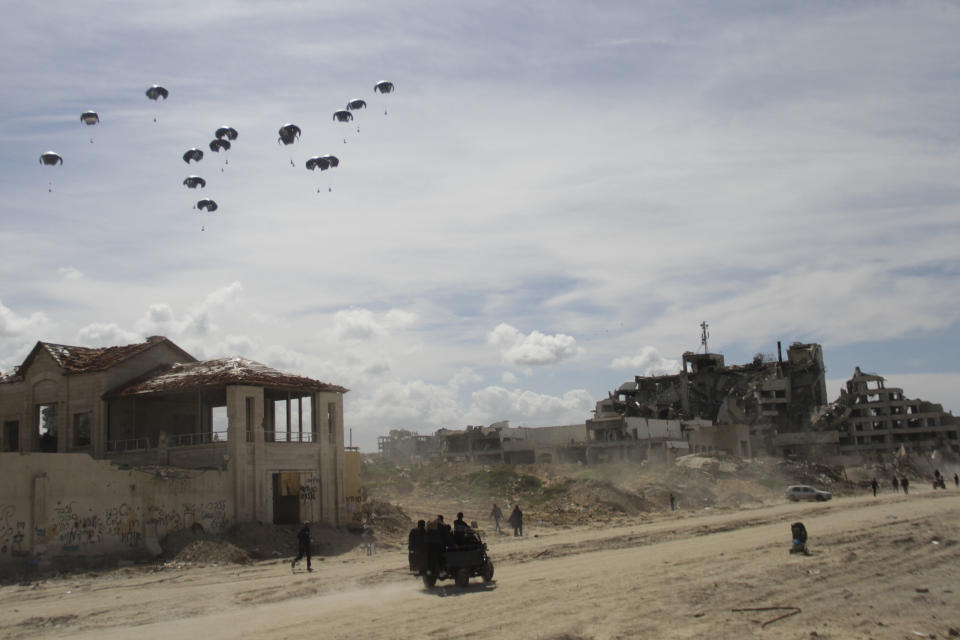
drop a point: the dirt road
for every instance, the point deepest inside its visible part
(885, 567)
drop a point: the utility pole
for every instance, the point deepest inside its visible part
(704, 334)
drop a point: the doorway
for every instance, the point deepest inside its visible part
(286, 498)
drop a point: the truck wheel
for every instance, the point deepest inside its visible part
(429, 579)
(462, 578)
(486, 571)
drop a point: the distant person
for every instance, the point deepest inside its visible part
(460, 524)
(369, 541)
(905, 484)
(673, 503)
(496, 515)
(303, 546)
(516, 521)
(956, 479)
(896, 485)
(874, 485)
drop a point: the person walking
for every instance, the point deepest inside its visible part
(496, 514)
(673, 503)
(905, 484)
(516, 521)
(956, 479)
(874, 485)
(896, 485)
(303, 547)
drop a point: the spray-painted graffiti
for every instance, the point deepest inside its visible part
(123, 522)
(11, 531)
(215, 515)
(165, 520)
(309, 488)
(75, 531)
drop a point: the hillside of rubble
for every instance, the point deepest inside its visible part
(558, 495)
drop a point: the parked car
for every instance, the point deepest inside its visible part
(805, 492)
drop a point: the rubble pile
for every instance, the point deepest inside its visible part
(212, 551)
(386, 518)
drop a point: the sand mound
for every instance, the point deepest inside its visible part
(386, 518)
(212, 552)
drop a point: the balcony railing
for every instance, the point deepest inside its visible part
(281, 436)
(190, 439)
(132, 444)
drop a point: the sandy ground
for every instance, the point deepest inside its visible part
(886, 567)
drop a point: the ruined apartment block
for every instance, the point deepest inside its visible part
(872, 418)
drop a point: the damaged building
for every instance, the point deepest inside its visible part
(105, 450)
(772, 406)
(757, 401)
(871, 418)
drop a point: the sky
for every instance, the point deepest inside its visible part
(551, 201)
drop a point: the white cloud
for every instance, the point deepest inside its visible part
(106, 334)
(648, 362)
(519, 406)
(533, 349)
(13, 325)
(364, 324)
(508, 377)
(70, 273)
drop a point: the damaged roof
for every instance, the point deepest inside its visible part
(192, 376)
(73, 359)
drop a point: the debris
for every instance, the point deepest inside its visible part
(791, 611)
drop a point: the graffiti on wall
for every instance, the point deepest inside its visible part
(12, 531)
(212, 516)
(309, 488)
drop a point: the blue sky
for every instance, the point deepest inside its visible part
(557, 196)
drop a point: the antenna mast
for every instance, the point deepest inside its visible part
(704, 334)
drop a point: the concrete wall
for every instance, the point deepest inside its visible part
(651, 428)
(64, 507)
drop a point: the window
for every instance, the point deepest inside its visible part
(46, 417)
(82, 423)
(11, 436)
(331, 421)
(248, 418)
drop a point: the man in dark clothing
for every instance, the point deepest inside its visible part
(416, 546)
(896, 485)
(497, 515)
(905, 484)
(303, 547)
(516, 521)
(874, 485)
(956, 479)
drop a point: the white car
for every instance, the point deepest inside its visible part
(805, 492)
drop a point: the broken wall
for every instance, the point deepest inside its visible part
(67, 507)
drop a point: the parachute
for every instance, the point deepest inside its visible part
(228, 133)
(384, 86)
(50, 158)
(89, 117)
(193, 154)
(289, 133)
(333, 161)
(318, 162)
(156, 91)
(217, 145)
(209, 205)
(342, 116)
(356, 103)
(193, 182)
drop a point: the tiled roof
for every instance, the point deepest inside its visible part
(180, 377)
(85, 359)
(90, 359)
